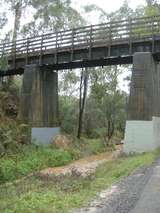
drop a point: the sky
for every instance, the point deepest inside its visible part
(107, 5)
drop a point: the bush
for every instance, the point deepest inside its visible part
(12, 136)
(95, 146)
(98, 133)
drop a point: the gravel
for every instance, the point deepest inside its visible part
(121, 197)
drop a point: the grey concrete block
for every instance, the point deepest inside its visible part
(43, 136)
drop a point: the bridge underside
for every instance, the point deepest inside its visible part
(40, 92)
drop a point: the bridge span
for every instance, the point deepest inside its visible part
(110, 43)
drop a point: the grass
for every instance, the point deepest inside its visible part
(31, 158)
(35, 195)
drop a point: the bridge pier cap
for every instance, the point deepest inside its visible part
(39, 102)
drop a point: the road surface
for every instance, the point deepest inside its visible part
(137, 193)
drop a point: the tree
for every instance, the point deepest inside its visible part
(151, 2)
(111, 101)
(17, 8)
(52, 16)
(152, 8)
(3, 20)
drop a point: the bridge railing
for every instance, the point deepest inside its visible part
(106, 34)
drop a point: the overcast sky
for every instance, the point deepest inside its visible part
(108, 5)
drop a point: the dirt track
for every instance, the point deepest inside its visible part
(82, 167)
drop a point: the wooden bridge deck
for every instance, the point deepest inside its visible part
(95, 45)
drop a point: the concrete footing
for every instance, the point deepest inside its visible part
(142, 136)
(44, 136)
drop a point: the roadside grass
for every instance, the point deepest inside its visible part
(31, 158)
(35, 195)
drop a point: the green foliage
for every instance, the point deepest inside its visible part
(31, 159)
(3, 63)
(106, 103)
(12, 136)
(21, 160)
(9, 96)
(52, 16)
(98, 133)
(152, 8)
(68, 114)
(34, 195)
(95, 146)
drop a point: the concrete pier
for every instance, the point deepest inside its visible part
(143, 124)
(39, 100)
(39, 97)
(144, 100)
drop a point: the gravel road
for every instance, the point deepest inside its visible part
(121, 197)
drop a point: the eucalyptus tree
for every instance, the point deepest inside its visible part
(16, 10)
(82, 98)
(52, 16)
(3, 21)
(152, 8)
(109, 98)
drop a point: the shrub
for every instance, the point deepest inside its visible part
(12, 136)
(98, 133)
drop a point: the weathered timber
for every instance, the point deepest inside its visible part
(39, 97)
(144, 101)
(97, 42)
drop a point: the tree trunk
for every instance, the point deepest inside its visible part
(110, 129)
(82, 99)
(17, 17)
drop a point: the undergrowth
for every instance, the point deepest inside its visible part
(31, 159)
(25, 159)
(35, 195)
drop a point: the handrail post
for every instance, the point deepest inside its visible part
(55, 56)
(27, 50)
(72, 47)
(90, 43)
(14, 53)
(41, 50)
(3, 50)
(153, 38)
(130, 36)
(110, 40)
